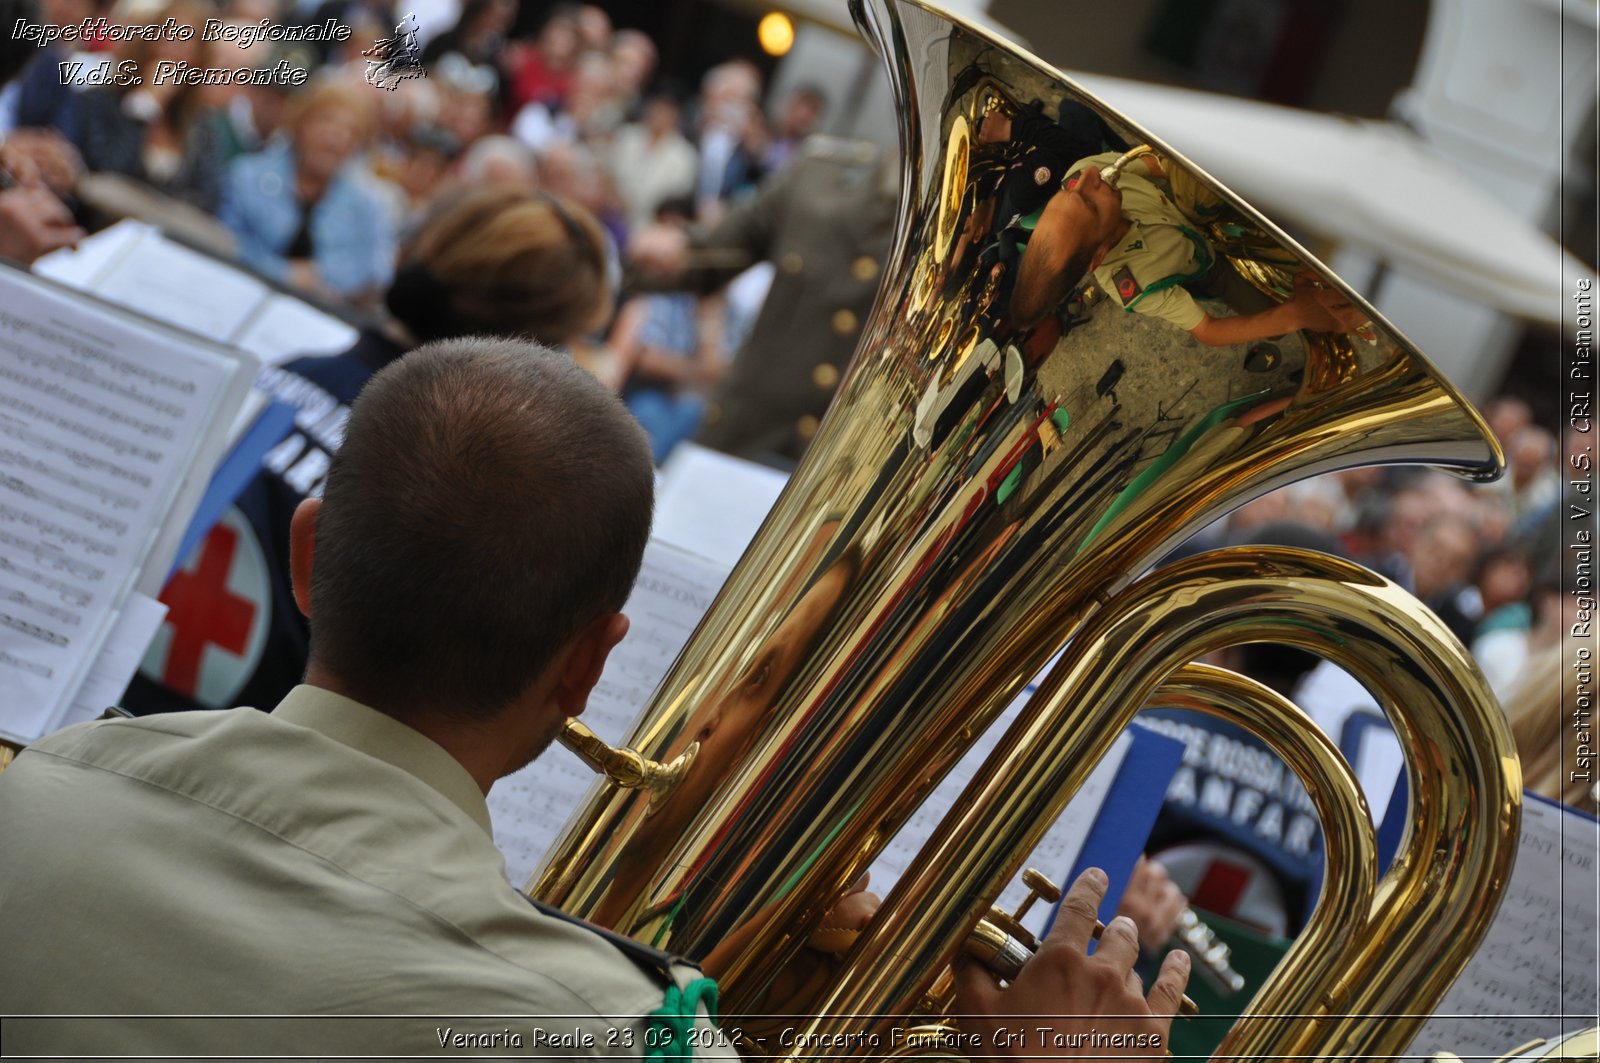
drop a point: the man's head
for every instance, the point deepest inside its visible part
(487, 511)
(1078, 226)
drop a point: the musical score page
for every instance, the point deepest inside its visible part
(712, 504)
(530, 807)
(183, 287)
(102, 419)
(1535, 973)
(284, 328)
(135, 265)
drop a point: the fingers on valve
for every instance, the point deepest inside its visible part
(1166, 995)
(1119, 944)
(1080, 908)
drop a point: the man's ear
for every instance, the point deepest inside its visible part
(585, 658)
(302, 545)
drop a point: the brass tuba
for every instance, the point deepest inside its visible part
(1022, 432)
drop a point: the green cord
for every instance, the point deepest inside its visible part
(667, 1029)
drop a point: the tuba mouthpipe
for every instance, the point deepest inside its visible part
(1460, 762)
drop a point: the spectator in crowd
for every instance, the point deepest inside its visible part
(732, 137)
(573, 170)
(467, 102)
(360, 16)
(499, 261)
(303, 210)
(633, 61)
(43, 98)
(1504, 582)
(1504, 415)
(543, 73)
(429, 152)
(496, 160)
(594, 28)
(156, 130)
(1532, 477)
(652, 161)
(476, 40)
(799, 116)
(592, 113)
(1441, 572)
(669, 349)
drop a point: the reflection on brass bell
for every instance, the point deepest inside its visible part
(1262, 358)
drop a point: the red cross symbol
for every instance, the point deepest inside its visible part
(1221, 888)
(203, 611)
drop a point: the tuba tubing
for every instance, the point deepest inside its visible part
(1355, 984)
(980, 490)
(1349, 879)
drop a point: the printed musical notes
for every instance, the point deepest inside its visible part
(673, 591)
(1535, 973)
(102, 416)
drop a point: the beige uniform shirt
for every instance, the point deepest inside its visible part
(1162, 251)
(325, 860)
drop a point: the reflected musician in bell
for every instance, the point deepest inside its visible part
(206, 883)
(729, 721)
(1145, 246)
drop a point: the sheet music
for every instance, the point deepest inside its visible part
(135, 265)
(131, 631)
(1056, 852)
(171, 283)
(1330, 696)
(1535, 973)
(81, 266)
(712, 504)
(285, 328)
(101, 418)
(529, 808)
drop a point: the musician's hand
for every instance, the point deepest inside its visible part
(41, 156)
(1088, 1005)
(845, 920)
(1154, 902)
(1322, 308)
(33, 222)
(660, 252)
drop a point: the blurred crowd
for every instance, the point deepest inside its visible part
(1488, 559)
(329, 186)
(321, 181)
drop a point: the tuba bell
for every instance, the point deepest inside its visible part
(1022, 433)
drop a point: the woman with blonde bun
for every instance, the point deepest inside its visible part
(500, 261)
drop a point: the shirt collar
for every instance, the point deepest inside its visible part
(371, 732)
